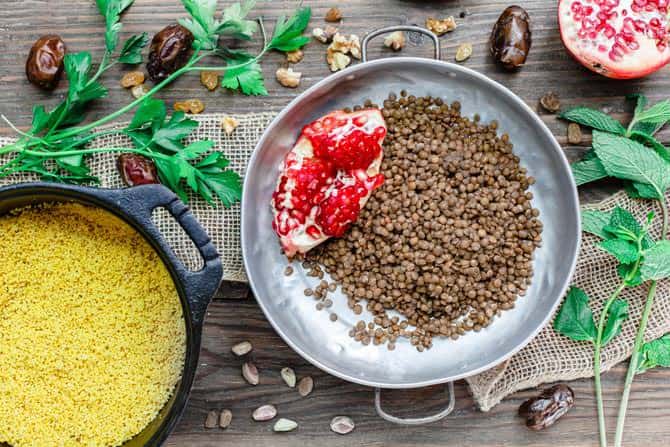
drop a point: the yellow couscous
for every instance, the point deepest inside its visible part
(92, 338)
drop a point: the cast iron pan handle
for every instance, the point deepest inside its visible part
(416, 421)
(390, 29)
(139, 202)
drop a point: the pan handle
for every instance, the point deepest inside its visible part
(416, 421)
(390, 29)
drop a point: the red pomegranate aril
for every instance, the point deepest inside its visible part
(576, 7)
(609, 33)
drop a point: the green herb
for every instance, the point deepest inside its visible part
(654, 354)
(56, 146)
(635, 156)
(575, 318)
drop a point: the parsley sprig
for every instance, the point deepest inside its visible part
(56, 145)
(634, 155)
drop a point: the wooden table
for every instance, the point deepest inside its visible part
(234, 316)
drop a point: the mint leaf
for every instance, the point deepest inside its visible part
(629, 160)
(656, 263)
(575, 318)
(659, 113)
(623, 218)
(654, 354)
(645, 138)
(593, 118)
(646, 128)
(641, 191)
(630, 276)
(248, 78)
(586, 171)
(624, 251)
(594, 222)
(287, 35)
(131, 53)
(616, 315)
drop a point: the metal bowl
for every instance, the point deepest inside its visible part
(327, 345)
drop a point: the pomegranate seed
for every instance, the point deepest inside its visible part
(661, 46)
(640, 25)
(662, 3)
(601, 26)
(581, 34)
(650, 8)
(602, 16)
(633, 45)
(612, 3)
(655, 23)
(576, 7)
(635, 8)
(313, 232)
(592, 35)
(616, 57)
(640, 2)
(602, 48)
(609, 31)
(599, 2)
(589, 24)
(577, 17)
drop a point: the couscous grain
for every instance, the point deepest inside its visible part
(91, 329)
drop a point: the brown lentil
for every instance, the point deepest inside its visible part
(448, 239)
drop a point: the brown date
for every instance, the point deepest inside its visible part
(170, 50)
(511, 38)
(544, 410)
(137, 170)
(44, 65)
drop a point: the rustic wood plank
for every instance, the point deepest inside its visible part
(219, 384)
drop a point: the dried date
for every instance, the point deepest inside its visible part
(137, 170)
(44, 65)
(511, 38)
(544, 410)
(170, 50)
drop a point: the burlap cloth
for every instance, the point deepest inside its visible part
(548, 358)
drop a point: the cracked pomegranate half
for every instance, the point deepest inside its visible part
(327, 178)
(621, 39)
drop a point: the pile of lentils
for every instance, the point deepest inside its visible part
(447, 241)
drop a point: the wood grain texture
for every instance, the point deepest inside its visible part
(219, 383)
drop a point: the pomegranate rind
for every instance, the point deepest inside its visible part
(301, 205)
(642, 59)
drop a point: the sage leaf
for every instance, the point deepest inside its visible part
(655, 353)
(594, 119)
(656, 263)
(629, 160)
(624, 251)
(575, 318)
(594, 222)
(616, 315)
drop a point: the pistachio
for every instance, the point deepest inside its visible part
(209, 79)
(284, 425)
(395, 40)
(229, 124)
(293, 57)
(333, 15)
(212, 419)
(243, 347)
(132, 79)
(225, 419)
(264, 413)
(250, 373)
(463, 52)
(441, 26)
(139, 90)
(289, 376)
(342, 425)
(550, 102)
(288, 78)
(305, 386)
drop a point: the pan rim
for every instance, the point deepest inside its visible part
(481, 78)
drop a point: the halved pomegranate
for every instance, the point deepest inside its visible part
(621, 39)
(327, 178)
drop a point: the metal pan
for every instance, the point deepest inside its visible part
(327, 345)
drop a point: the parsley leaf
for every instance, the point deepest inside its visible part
(206, 28)
(629, 160)
(287, 34)
(616, 315)
(575, 318)
(593, 118)
(655, 353)
(111, 10)
(131, 53)
(233, 22)
(247, 78)
(656, 263)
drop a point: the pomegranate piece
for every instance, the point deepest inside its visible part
(621, 39)
(327, 178)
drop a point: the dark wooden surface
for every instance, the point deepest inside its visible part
(231, 318)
